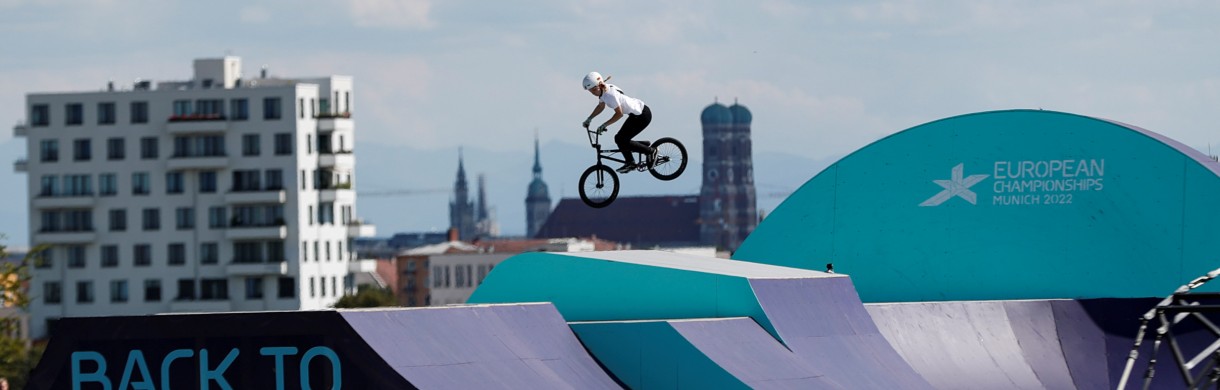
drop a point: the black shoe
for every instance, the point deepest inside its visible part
(628, 167)
(652, 159)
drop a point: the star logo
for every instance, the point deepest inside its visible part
(955, 186)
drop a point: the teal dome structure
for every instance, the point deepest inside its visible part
(741, 114)
(1021, 204)
(716, 114)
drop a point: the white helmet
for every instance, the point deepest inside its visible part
(592, 80)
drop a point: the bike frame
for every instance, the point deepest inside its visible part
(608, 154)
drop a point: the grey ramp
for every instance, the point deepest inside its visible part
(1035, 326)
(974, 345)
(744, 349)
(1083, 344)
(824, 323)
(483, 346)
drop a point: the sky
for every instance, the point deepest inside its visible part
(822, 79)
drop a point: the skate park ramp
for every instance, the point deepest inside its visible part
(479, 346)
(1004, 205)
(816, 316)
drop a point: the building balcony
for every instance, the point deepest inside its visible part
(21, 130)
(341, 159)
(362, 265)
(360, 229)
(64, 237)
(277, 232)
(196, 124)
(65, 202)
(197, 163)
(21, 165)
(335, 194)
(269, 196)
(184, 306)
(334, 122)
(237, 268)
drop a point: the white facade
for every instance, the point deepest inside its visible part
(229, 193)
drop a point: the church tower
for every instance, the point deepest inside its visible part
(538, 199)
(461, 209)
(727, 200)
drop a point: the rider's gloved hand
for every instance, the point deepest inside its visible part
(601, 129)
(586, 122)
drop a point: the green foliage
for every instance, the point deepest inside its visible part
(17, 355)
(367, 296)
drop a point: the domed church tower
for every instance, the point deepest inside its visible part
(538, 199)
(727, 201)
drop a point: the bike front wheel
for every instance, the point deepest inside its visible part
(598, 186)
(671, 159)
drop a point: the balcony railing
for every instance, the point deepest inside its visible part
(21, 129)
(196, 117)
(21, 165)
(332, 115)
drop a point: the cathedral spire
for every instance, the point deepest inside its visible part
(537, 160)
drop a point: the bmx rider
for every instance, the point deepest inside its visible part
(638, 118)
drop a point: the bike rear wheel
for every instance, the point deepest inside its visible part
(671, 159)
(598, 186)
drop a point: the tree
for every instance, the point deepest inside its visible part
(367, 296)
(17, 355)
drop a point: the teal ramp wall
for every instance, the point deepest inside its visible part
(1017, 204)
(651, 354)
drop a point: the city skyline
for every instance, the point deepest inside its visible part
(823, 79)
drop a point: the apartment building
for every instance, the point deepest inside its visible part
(218, 193)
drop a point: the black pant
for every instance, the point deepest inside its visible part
(631, 128)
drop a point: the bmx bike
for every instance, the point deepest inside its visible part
(599, 183)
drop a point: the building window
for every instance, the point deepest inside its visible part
(107, 184)
(44, 259)
(140, 184)
(49, 185)
(173, 182)
(249, 145)
(254, 288)
(209, 253)
(322, 284)
(301, 108)
(272, 108)
(304, 251)
(210, 108)
(82, 150)
(177, 253)
(105, 113)
(40, 115)
(308, 144)
(214, 289)
(114, 149)
(185, 217)
(239, 109)
(274, 179)
(328, 251)
(313, 284)
(326, 213)
(143, 255)
(77, 185)
(48, 150)
(246, 180)
(110, 256)
(283, 144)
(84, 291)
(304, 182)
(186, 290)
(75, 114)
(76, 256)
(53, 293)
(310, 212)
(152, 290)
(182, 108)
(287, 288)
(207, 181)
(199, 146)
(139, 112)
(148, 148)
(216, 217)
(152, 219)
(118, 220)
(118, 291)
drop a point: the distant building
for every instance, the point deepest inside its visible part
(219, 193)
(727, 200)
(537, 199)
(448, 272)
(461, 208)
(643, 222)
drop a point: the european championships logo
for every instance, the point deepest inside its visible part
(956, 186)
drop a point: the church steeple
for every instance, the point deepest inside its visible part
(461, 209)
(538, 199)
